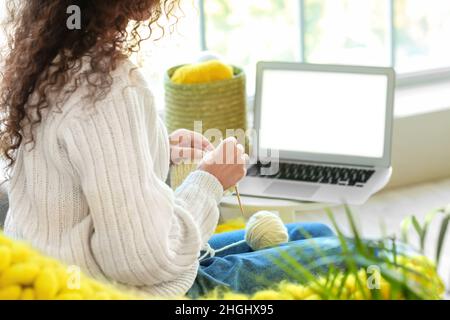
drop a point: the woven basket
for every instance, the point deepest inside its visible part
(179, 173)
(218, 105)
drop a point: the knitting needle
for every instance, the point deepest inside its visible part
(237, 194)
(239, 199)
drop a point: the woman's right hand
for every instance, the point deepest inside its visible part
(227, 163)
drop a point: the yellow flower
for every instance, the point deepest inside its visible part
(4, 241)
(101, 296)
(270, 295)
(296, 291)
(20, 274)
(350, 283)
(20, 252)
(27, 275)
(10, 292)
(385, 290)
(5, 258)
(231, 225)
(234, 296)
(46, 285)
(69, 296)
(28, 294)
(313, 297)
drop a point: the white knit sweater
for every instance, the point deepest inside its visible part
(91, 192)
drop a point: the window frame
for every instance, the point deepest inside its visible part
(403, 79)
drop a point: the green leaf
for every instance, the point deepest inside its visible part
(356, 237)
(428, 219)
(420, 233)
(405, 228)
(441, 238)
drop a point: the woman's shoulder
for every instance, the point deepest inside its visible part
(126, 83)
(128, 73)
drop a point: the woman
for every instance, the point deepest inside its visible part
(88, 155)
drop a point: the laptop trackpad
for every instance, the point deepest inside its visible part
(291, 190)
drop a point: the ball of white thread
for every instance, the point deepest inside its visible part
(265, 229)
(208, 56)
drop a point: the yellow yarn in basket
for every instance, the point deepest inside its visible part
(216, 105)
(212, 94)
(180, 172)
(203, 72)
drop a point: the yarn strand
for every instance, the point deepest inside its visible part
(264, 230)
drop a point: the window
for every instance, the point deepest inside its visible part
(347, 32)
(252, 30)
(178, 42)
(422, 34)
(411, 35)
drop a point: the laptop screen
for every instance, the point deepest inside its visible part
(323, 112)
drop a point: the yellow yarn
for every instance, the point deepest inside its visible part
(203, 72)
(265, 229)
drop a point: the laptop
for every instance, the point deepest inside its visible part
(323, 132)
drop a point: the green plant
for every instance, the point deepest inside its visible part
(385, 268)
(422, 230)
(402, 272)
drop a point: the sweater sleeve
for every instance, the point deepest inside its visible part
(144, 233)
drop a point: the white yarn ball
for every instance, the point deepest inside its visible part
(265, 229)
(208, 56)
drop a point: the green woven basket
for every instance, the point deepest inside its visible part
(220, 105)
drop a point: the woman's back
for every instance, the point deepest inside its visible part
(50, 206)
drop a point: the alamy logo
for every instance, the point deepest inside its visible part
(374, 277)
(74, 19)
(74, 278)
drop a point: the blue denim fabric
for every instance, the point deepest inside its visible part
(243, 270)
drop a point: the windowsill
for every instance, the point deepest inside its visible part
(422, 99)
(421, 131)
(409, 100)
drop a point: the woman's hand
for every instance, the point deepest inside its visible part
(188, 146)
(227, 163)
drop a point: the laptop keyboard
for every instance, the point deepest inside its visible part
(316, 174)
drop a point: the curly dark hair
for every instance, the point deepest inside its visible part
(42, 53)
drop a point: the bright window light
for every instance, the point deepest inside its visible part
(347, 32)
(422, 31)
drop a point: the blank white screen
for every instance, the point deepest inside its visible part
(323, 112)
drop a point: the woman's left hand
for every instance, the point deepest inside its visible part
(188, 146)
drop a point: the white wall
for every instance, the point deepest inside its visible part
(421, 148)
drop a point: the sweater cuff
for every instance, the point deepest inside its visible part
(204, 182)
